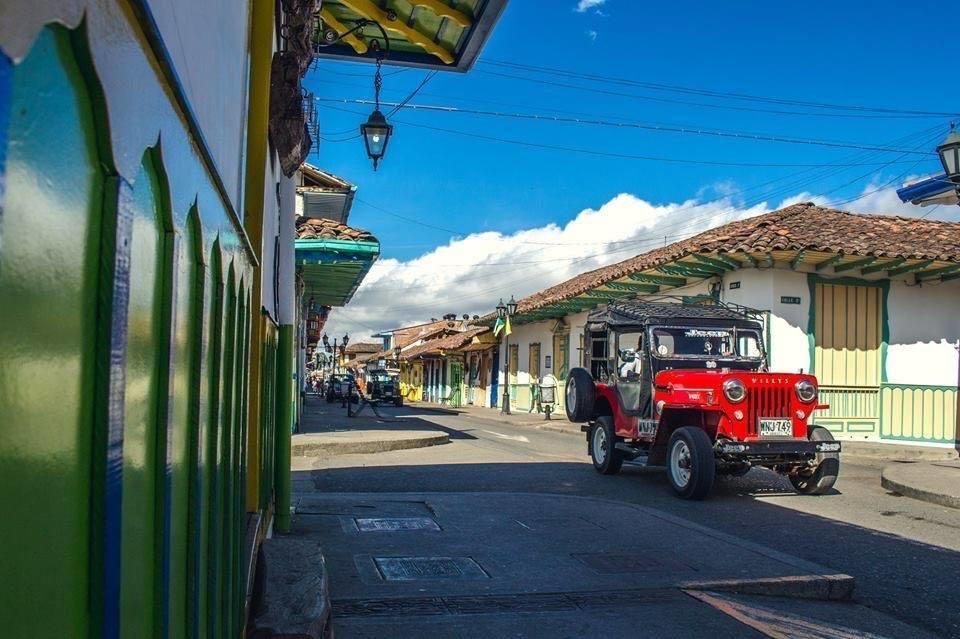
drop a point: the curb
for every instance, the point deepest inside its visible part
(838, 587)
(311, 449)
(940, 499)
(294, 599)
(538, 425)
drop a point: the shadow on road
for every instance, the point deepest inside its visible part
(913, 581)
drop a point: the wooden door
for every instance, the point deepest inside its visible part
(533, 363)
(848, 356)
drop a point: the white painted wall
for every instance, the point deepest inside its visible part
(924, 331)
(762, 288)
(208, 42)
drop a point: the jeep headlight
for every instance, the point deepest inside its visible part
(734, 390)
(806, 391)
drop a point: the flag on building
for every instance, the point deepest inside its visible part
(502, 325)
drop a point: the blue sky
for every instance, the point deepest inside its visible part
(849, 53)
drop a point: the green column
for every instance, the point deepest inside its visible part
(285, 399)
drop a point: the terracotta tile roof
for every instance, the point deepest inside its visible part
(445, 343)
(404, 337)
(364, 347)
(794, 228)
(311, 228)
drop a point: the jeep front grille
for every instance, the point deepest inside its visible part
(764, 401)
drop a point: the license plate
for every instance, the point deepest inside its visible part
(776, 428)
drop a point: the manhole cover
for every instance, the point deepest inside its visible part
(415, 568)
(611, 564)
(394, 524)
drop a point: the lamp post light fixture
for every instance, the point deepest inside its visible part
(505, 312)
(949, 152)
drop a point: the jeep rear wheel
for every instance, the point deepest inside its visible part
(820, 479)
(579, 396)
(691, 466)
(607, 460)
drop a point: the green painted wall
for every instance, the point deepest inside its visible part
(49, 260)
(169, 394)
(142, 452)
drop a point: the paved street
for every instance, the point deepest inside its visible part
(903, 553)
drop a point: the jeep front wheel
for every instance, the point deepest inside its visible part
(821, 478)
(579, 396)
(691, 466)
(607, 460)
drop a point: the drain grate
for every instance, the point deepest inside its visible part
(417, 568)
(493, 604)
(395, 524)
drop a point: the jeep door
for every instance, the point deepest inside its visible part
(633, 374)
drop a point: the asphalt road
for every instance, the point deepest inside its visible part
(905, 554)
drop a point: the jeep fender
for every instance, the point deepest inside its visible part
(674, 417)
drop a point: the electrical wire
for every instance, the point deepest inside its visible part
(673, 88)
(592, 152)
(646, 126)
(412, 94)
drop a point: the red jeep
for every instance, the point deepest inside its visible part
(686, 386)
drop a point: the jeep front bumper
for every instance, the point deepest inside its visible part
(776, 449)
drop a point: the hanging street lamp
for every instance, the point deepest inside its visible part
(949, 152)
(376, 131)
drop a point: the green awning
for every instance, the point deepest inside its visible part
(333, 269)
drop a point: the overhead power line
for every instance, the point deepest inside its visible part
(646, 126)
(731, 95)
(607, 154)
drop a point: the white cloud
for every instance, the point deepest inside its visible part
(585, 5)
(592, 34)
(470, 274)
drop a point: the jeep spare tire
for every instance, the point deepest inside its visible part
(579, 396)
(820, 479)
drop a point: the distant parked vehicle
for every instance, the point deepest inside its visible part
(385, 386)
(338, 386)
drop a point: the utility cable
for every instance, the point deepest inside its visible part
(646, 126)
(713, 93)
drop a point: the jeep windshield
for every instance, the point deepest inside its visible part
(701, 342)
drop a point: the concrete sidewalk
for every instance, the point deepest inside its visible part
(326, 429)
(363, 441)
(937, 483)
